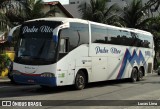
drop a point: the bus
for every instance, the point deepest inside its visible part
(69, 51)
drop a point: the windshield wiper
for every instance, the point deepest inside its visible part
(40, 59)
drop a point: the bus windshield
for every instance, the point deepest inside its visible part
(36, 45)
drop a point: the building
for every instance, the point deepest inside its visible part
(60, 11)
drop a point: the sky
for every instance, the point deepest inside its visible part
(61, 1)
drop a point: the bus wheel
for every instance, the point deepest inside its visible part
(45, 87)
(80, 80)
(140, 75)
(134, 75)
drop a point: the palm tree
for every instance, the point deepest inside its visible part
(153, 26)
(33, 9)
(4, 22)
(18, 11)
(10, 14)
(98, 11)
(155, 3)
(134, 15)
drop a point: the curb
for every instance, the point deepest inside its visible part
(4, 79)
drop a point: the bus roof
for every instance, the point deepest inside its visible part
(61, 19)
(123, 28)
(65, 20)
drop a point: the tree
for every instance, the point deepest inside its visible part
(15, 12)
(134, 15)
(153, 26)
(98, 11)
(33, 9)
(155, 3)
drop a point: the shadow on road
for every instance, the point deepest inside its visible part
(8, 90)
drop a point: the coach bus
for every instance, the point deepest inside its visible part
(69, 51)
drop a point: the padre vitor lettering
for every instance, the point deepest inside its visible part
(33, 29)
(101, 50)
(46, 29)
(26, 29)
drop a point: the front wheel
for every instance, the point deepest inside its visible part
(80, 80)
(134, 75)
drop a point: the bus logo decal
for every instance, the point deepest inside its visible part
(131, 58)
(115, 51)
(101, 50)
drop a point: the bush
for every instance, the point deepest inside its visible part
(4, 62)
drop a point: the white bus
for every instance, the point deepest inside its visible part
(69, 51)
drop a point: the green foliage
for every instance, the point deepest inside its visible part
(4, 62)
(98, 11)
(15, 12)
(33, 9)
(133, 16)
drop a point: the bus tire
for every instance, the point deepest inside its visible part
(140, 75)
(45, 87)
(80, 80)
(134, 75)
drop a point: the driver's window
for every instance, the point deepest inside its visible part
(70, 36)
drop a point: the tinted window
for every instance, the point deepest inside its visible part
(77, 34)
(36, 45)
(72, 37)
(146, 41)
(106, 35)
(98, 34)
(82, 31)
(114, 36)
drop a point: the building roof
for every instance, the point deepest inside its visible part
(67, 13)
(73, 9)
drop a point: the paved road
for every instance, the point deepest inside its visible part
(148, 89)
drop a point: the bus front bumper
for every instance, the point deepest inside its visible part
(35, 79)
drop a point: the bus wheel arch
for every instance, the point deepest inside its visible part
(141, 73)
(134, 74)
(81, 79)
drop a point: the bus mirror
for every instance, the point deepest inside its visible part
(10, 34)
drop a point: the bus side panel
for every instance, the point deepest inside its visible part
(120, 60)
(67, 65)
(149, 60)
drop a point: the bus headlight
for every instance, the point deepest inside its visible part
(16, 72)
(47, 74)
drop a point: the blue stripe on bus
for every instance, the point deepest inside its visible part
(55, 38)
(48, 81)
(131, 58)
